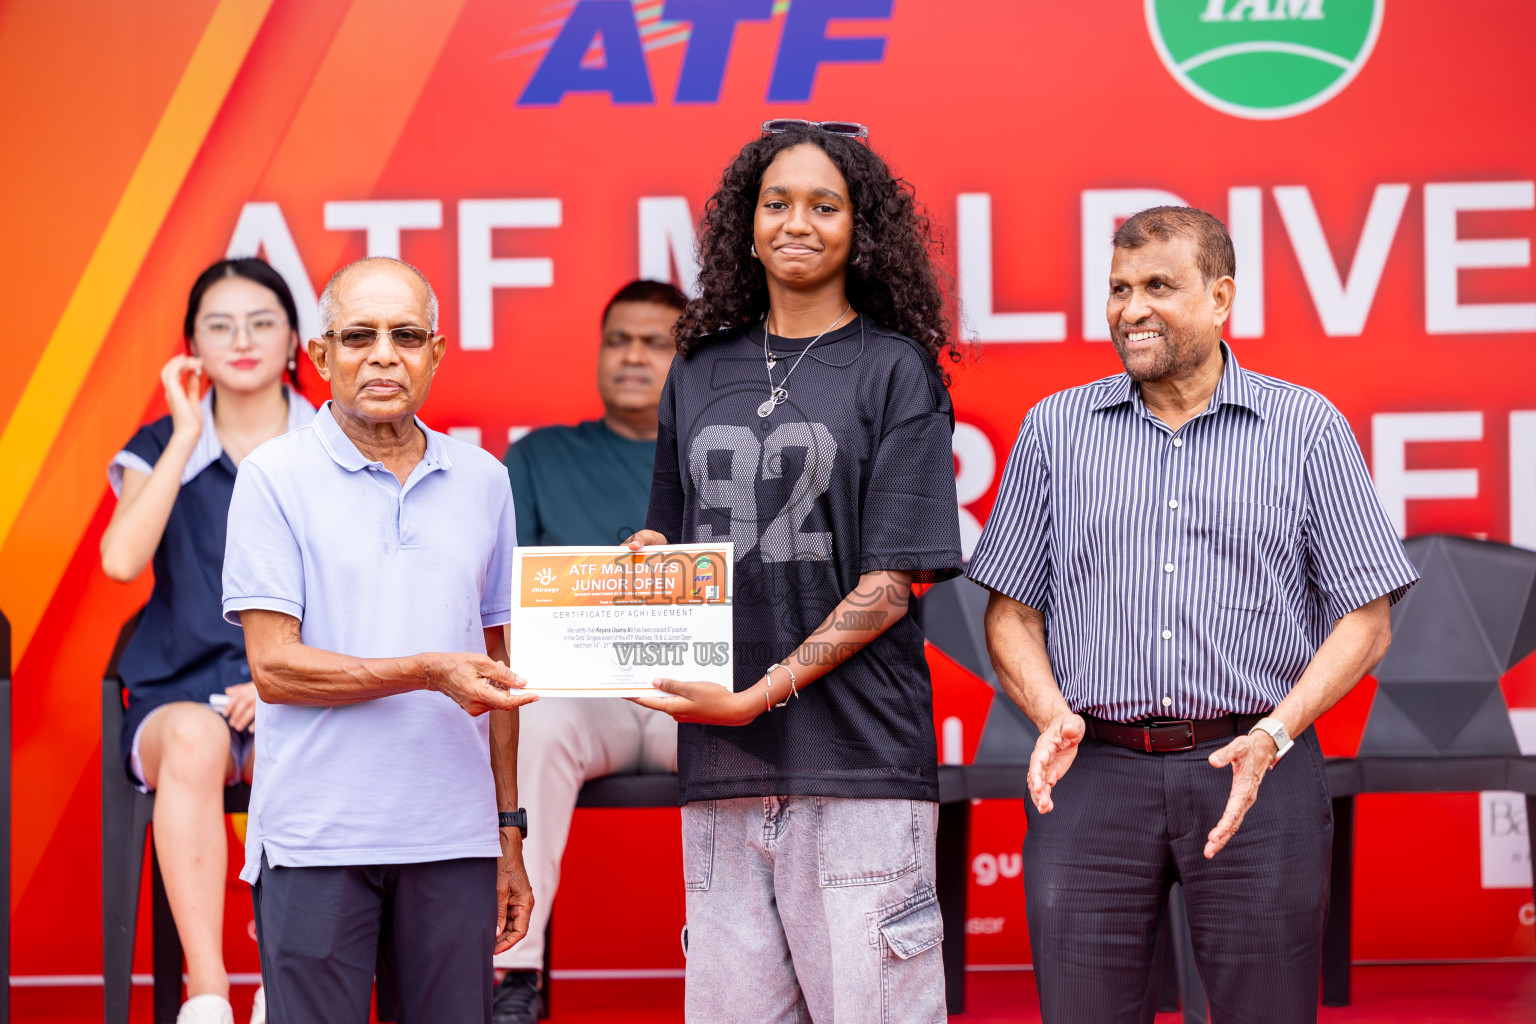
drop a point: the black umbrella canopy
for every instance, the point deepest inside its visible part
(1468, 621)
(952, 617)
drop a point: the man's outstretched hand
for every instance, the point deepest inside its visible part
(1250, 757)
(1055, 751)
(477, 683)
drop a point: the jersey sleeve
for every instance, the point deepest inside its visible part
(1013, 556)
(263, 561)
(910, 519)
(1354, 555)
(496, 600)
(141, 453)
(665, 511)
(524, 503)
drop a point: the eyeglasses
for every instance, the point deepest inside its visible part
(848, 129)
(220, 331)
(364, 337)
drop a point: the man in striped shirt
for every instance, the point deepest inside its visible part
(1188, 566)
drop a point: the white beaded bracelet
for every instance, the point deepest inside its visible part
(793, 689)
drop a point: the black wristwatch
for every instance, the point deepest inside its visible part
(517, 819)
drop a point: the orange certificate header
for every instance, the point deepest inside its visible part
(588, 579)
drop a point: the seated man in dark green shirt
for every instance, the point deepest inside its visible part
(587, 485)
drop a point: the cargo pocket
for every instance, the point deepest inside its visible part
(911, 931)
(698, 845)
(911, 964)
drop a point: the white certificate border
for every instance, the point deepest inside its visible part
(620, 692)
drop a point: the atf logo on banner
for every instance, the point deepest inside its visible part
(1264, 58)
(601, 46)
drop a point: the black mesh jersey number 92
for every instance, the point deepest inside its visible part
(853, 474)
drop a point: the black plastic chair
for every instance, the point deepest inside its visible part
(1348, 777)
(5, 818)
(1438, 723)
(125, 817)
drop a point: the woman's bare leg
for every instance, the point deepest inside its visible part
(185, 754)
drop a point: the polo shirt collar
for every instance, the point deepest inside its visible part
(345, 454)
(209, 450)
(1234, 388)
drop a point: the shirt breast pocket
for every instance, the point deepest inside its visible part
(1253, 541)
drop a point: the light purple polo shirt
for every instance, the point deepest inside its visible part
(375, 570)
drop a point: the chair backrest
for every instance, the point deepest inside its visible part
(1470, 619)
(112, 688)
(124, 635)
(952, 616)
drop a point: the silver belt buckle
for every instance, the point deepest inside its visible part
(1146, 736)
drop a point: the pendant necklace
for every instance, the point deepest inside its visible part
(777, 396)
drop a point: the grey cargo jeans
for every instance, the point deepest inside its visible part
(812, 909)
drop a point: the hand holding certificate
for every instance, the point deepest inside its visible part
(604, 622)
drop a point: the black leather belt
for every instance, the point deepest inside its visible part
(1166, 735)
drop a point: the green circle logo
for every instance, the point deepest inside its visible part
(1264, 59)
(702, 562)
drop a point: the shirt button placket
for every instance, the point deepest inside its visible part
(1173, 474)
(407, 527)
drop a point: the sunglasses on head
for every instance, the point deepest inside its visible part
(848, 129)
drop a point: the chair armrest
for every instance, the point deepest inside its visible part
(1348, 776)
(997, 781)
(1343, 776)
(954, 783)
(650, 790)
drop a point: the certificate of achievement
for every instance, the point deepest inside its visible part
(604, 622)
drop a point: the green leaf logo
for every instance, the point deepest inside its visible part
(1264, 59)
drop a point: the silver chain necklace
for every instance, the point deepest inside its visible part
(777, 396)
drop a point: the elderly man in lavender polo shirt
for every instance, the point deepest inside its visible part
(384, 801)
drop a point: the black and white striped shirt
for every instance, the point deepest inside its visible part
(1192, 572)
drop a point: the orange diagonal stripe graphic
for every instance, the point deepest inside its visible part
(67, 358)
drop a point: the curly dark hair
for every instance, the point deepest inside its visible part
(893, 277)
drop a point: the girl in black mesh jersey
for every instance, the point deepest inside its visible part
(806, 420)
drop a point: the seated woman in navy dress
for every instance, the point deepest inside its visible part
(187, 731)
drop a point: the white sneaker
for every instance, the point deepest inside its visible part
(259, 1006)
(206, 1009)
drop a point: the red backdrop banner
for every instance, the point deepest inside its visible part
(1375, 162)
